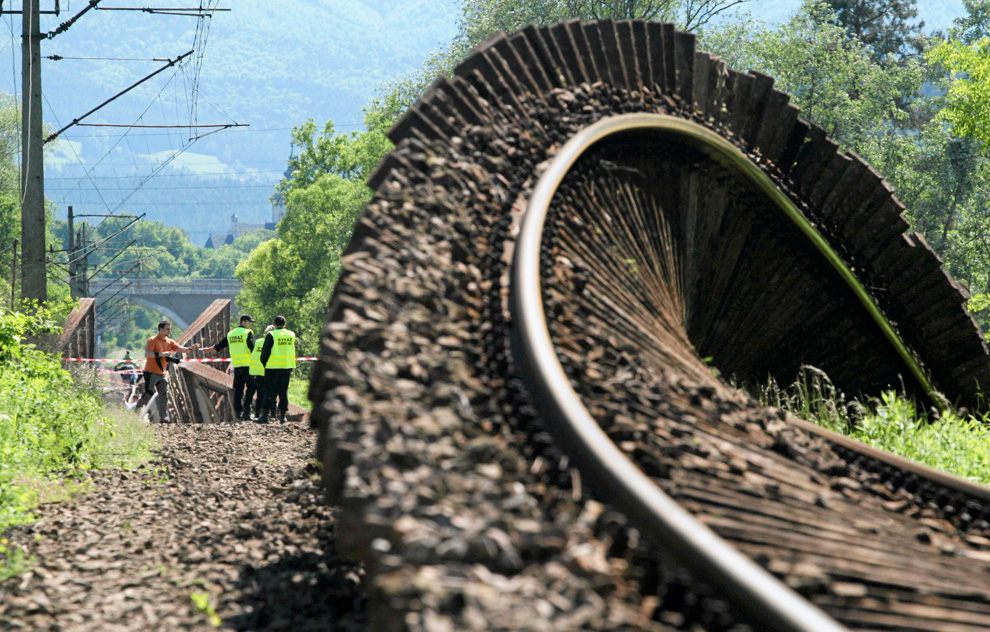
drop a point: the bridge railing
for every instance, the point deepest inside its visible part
(201, 392)
(78, 337)
(220, 287)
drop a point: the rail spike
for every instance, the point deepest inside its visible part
(690, 221)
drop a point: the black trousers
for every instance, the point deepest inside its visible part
(155, 383)
(242, 378)
(277, 385)
(262, 392)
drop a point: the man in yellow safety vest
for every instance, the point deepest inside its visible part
(257, 371)
(240, 342)
(278, 356)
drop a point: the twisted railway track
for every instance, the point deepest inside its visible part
(517, 410)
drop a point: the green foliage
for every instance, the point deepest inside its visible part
(221, 263)
(294, 273)
(158, 251)
(885, 26)
(201, 600)
(831, 77)
(51, 426)
(348, 156)
(13, 560)
(967, 107)
(973, 26)
(299, 390)
(954, 443)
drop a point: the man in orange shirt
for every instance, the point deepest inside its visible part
(155, 364)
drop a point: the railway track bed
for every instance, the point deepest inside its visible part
(226, 512)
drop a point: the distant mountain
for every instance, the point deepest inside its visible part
(271, 65)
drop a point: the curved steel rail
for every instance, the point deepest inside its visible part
(711, 559)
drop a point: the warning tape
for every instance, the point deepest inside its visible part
(302, 358)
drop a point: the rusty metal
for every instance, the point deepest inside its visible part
(201, 393)
(78, 337)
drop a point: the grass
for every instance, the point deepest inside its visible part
(299, 391)
(952, 442)
(201, 601)
(13, 560)
(54, 427)
(121, 440)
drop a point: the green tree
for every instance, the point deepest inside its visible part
(967, 107)
(249, 241)
(220, 264)
(886, 26)
(831, 76)
(294, 273)
(973, 26)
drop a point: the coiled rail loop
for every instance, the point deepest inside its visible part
(615, 477)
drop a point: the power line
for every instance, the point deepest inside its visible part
(121, 138)
(55, 116)
(192, 188)
(221, 125)
(253, 130)
(177, 175)
(76, 120)
(61, 57)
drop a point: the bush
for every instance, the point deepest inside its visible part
(50, 425)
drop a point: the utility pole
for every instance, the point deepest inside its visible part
(82, 268)
(34, 283)
(73, 264)
(13, 277)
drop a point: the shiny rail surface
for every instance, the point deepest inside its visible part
(752, 589)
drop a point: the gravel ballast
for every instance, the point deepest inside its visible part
(229, 511)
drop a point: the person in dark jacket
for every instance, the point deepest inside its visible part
(278, 356)
(258, 373)
(240, 342)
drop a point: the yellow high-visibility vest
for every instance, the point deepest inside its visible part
(240, 353)
(257, 368)
(283, 350)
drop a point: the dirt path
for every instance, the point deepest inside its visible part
(227, 511)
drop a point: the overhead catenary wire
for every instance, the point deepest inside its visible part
(64, 57)
(118, 178)
(111, 260)
(90, 249)
(76, 120)
(73, 149)
(200, 44)
(110, 150)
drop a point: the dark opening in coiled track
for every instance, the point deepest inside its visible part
(681, 258)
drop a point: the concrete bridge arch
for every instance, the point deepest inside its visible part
(180, 301)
